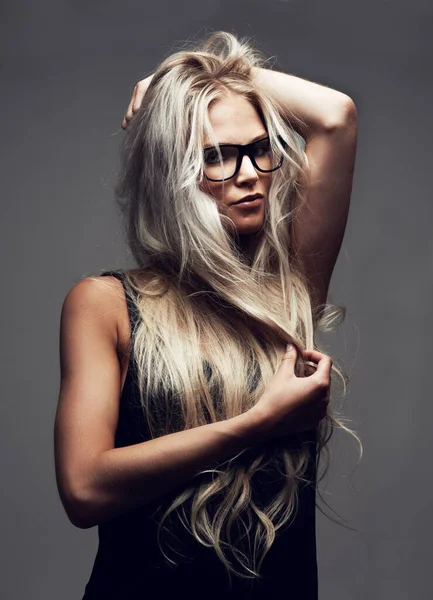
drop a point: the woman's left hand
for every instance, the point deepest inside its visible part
(136, 100)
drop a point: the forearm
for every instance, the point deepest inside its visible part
(318, 106)
(122, 479)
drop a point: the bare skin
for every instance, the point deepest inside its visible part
(329, 126)
(235, 121)
(98, 481)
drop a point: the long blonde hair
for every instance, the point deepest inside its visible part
(213, 324)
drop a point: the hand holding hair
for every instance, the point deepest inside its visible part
(292, 404)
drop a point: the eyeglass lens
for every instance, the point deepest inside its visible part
(261, 154)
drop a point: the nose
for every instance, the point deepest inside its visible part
(247, 172)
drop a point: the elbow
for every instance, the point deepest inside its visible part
(344, 115)
(77, 506)
(80, 519)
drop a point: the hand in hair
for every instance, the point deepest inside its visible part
(136, 100)
(292, 404)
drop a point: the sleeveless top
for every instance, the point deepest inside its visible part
(130, 566)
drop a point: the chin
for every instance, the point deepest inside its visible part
(249, 228)
(244, 227)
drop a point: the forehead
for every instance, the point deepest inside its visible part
(234, 120)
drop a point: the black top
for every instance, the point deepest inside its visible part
(130, 566)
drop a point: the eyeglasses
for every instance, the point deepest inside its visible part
(224, 165)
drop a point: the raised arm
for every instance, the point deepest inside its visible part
(310, 107)
(327, 119)
(330, 129)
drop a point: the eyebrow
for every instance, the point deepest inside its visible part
(258, 137)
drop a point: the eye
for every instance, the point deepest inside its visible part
(211, 156)
(228, 154)
(262, 147)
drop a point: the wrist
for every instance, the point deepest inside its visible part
(251, 426)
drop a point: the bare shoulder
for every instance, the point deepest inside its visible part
(101, 290)
(101, 299)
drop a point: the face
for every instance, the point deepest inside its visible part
(235, 121)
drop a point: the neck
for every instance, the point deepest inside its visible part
(247, 245)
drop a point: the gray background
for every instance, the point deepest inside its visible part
(68, 69)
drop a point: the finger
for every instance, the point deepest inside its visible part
(290, 353)
(313, 355)
(288, 359)
(127, 117)
(129, 111)
(324, 362)
(141, 88)
(316, 356)
(310, 368)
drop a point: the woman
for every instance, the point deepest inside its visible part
(193, 392)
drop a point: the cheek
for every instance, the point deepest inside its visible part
(267, 182)
(213, 189)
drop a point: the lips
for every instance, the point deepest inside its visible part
(248, 198)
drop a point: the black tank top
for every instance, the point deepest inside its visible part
(130, 566)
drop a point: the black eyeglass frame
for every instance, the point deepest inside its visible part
(244, 150)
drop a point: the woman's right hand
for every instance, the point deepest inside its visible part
(292, 404)
(136, 100)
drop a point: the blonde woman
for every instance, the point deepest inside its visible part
(195, 402)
